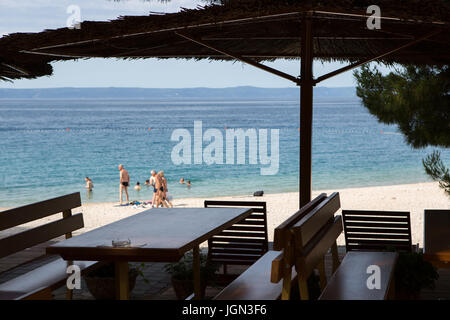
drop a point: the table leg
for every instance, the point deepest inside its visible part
(196, 268)
(122, 286)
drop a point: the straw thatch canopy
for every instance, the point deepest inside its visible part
(256, 29)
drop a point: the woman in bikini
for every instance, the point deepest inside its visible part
(165, 190)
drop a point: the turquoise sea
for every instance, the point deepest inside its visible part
(47, 147)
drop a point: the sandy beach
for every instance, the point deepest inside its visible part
(409, 197)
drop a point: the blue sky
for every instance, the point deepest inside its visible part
(37, 15)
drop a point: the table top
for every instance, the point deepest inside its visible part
(156, 235)
(349, 282)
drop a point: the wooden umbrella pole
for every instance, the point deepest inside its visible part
(306, 110)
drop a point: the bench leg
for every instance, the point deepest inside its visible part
(303, 288)
(122, 286)
(335, 257)
(69, 294)
(323, 276)
(286, 291)
(196, 267)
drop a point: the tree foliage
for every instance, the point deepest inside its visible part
(435, 168)
(416, 99)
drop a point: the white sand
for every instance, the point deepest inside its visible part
(411, 197)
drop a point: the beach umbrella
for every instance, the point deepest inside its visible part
(253, 31)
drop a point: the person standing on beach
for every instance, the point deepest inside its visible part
(153, 184)
(124, 182)
(159, 186)
(165, 198)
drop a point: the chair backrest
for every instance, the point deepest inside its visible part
(436, 225)
(244, 242)
(31, 237)
(377, 230)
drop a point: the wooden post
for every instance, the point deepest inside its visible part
(306, 110)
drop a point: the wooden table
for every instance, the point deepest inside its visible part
(156, 235)
(437, 237)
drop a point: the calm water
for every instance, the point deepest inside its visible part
(48, 147)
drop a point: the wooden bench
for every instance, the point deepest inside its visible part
(38, 283)
(305, 239)
(255, 283)
(244, 242)
(349, 282)
(377, 230)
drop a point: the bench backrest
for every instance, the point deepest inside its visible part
(282, 232)
(309, 235)
(244, 242)
(315, 234)
(31, 237)
(377, 230)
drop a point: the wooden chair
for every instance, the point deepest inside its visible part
(243, 243)
(377, 230)
(52, 275)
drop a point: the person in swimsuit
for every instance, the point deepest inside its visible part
(165, 199)
(152, 183)
(89, 184)
(159, 187)
(124, 182)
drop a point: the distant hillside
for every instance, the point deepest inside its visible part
(245, 93)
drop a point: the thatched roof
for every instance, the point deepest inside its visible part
(257, 29)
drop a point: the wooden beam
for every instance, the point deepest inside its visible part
(357, 64)
(366, 15)
(287, 15)
(240, 58)
(15, 68)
